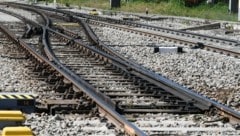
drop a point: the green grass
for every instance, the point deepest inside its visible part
(165, 7)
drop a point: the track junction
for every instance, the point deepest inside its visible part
(90, 77)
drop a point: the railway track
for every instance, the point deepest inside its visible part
(120, 77)
(45, 90)
(230, 50)
(130, 129)
(104, 76)
(210, 43)
(132, 100)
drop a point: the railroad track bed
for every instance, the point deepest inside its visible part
(168, 36)
(188, 124)
(95, 73)
(166, 22)
(6, 18)
(107, 80)
(19, 74)
(58, 23)
(176, 23)
(10, 52)
(216, 44)
(30, 34)
(132, 97)
(180, 36)
(131, 94)
(211, 74)
(70, 124)
(71, 28)
(17, 27)
(146, 122)
(224, 32)
(170, 33)
(162, 21)
(28, 14)
(12, 80)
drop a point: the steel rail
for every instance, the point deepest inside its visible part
(203, 27)
(20, 18)
(178, 33)
(234, 116)
(129, 23)
(103, 103)
(185, 94)
(191, 42)
(124, 66)
(164, 83)
(151, 27)
(47, 23)
(152, 77)
(160, 81)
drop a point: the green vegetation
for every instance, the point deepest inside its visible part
(164, 7)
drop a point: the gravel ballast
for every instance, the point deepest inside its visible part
(15, 79)
(211, 74)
